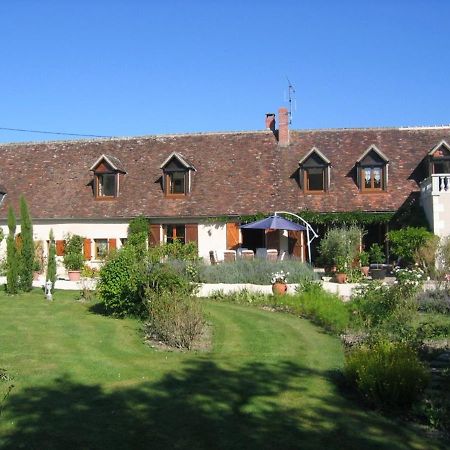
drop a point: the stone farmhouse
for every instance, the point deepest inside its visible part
(197, 187)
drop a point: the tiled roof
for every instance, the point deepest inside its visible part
(236, 173)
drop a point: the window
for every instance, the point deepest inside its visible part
(315, 178)
(372, 171)
(176, 183)
(108, 171)
(176, 175)
(314, 172)
(175, 233)
(372, 178)
(106, 184)
(439, 159)
(101, 248)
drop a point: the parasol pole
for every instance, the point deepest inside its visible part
(308, 229)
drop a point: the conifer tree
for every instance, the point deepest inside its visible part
(27, 253)
(11, 255)
(51, 261)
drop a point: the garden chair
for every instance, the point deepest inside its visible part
(248, 255)
(213, 257)
(272, 254)
(229, 255)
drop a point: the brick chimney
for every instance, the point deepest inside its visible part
(270, 121)
(283, 131)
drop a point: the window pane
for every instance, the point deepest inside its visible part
(377, 178)
(107, 185)
(180, 233)
(367, 177)
(101, 248)
(175, 233)
(315, 179)
(177, 182)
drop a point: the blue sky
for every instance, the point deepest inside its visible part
(125, 68)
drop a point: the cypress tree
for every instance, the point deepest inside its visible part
(51, 261)
(11, 255)
(27, 253)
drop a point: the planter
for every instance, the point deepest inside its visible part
(74, 275)
(279, 288)
(378, 274)
(365, 270)
(341, 278)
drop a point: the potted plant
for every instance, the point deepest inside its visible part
(279, 282)
(341, 269)
(377, 257)
(73, 256)
(364, 262)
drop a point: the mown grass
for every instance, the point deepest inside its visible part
(83, 380)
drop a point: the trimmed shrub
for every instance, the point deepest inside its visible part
(73, 252)
(388, 375)
(27, 256)
(12, 260)
(174, 318)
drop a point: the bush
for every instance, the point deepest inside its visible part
(406, 242)
(165, 278)
(387, 375)
(175, 319)
(437, 301)
(258, 271)
(73, 252)
(121, 283)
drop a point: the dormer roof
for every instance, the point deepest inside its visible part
(112, 161)
(437, 147)
(316, 151)
(180, 159)
(373, 148)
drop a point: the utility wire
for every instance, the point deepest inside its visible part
(53, 132)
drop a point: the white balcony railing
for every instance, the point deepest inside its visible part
(436, 184)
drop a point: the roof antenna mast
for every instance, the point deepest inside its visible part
(291, 99)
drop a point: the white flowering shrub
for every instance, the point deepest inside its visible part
(410, 279)
(279, 277)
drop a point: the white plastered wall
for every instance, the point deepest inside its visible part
(211, 237)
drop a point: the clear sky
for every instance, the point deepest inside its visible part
(135, 67)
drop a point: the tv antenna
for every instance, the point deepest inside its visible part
(291, 99)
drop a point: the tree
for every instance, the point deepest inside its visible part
(51, 262)
(11, 255)
(27, 253)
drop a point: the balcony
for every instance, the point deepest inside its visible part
(435, 200)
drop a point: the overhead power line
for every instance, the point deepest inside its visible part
(53, 132)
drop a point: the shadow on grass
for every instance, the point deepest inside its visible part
(201, 406)
(98, 308)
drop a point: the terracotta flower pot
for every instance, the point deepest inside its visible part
(74, 275)
(341, 278)
(365, 270)
(279, 288)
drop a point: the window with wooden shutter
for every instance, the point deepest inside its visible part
(87, 249)
(154, 237)
(60, 246)
(192, 232)
(233, 236)
(112, 244)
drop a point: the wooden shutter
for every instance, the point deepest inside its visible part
(296, 245)
(112, 244)
(87, 249)
(154, 236)
(60, 245)
(192, 232)
(233, 236)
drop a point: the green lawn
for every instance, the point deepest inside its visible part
(86, 381)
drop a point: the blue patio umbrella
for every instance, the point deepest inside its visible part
(274, 223)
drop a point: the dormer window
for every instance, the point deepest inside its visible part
(176, 176)
(315, 172)
(372, 169)
(107, 172)
(439, 159)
